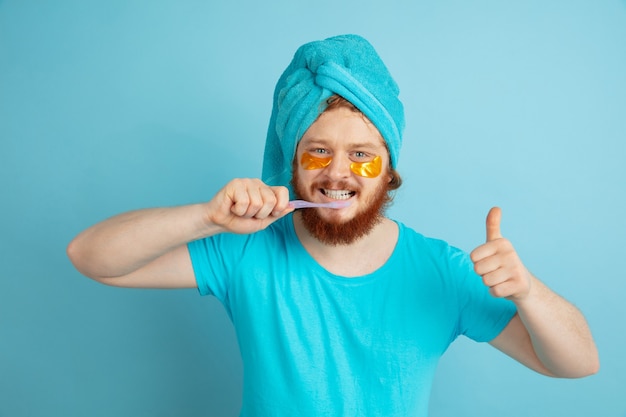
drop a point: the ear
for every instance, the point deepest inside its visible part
(395, 180)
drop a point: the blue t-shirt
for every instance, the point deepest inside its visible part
(314, 343)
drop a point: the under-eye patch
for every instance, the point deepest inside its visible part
(369, 169)
(309, 161)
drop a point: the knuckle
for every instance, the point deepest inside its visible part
(255, 205)
(237, 182)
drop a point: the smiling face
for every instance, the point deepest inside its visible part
(337, 160)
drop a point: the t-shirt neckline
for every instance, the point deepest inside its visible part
(294, 242)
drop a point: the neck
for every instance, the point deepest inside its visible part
(363, 256)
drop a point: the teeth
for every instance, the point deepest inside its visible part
(338, 194)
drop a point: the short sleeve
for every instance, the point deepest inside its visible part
(212, 264)
(481, 316)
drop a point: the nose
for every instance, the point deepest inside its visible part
(339, 167)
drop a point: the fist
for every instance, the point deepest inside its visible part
(497, 262)
(247, 206)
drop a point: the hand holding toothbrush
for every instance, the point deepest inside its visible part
(249, 205)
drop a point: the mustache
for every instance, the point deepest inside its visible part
(334, 185)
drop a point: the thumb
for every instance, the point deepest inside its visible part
(493, 224)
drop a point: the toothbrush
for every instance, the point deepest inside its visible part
(299, 204)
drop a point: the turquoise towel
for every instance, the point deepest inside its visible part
(346, 65)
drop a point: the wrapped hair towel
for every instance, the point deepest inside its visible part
(346, 65)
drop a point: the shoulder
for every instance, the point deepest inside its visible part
(434, 250)
(274, 236)
(410, 236)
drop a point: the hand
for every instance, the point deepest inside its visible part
(497, 262)
(247, 206)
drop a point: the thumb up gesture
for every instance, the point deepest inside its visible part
(497, 262)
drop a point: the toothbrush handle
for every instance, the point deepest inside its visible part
(298, 204)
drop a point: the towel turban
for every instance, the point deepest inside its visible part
(346, 65)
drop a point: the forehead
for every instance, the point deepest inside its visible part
(343, 128)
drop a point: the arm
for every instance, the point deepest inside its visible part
(548, 334)
(147, 248)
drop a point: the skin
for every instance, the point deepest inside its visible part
(347, 137)
(147, 248)
(559, 346)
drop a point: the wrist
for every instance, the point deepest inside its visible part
(529, 297)
(206, 224)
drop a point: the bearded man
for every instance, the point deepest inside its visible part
(338, 309)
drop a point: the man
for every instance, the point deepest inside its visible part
(338, 310)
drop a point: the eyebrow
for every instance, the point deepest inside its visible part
(351, 145)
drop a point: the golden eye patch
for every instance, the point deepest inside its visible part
(309, 161)
(369, 169)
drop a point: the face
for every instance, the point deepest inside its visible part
(337, 160)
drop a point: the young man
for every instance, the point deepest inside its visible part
(338, 310)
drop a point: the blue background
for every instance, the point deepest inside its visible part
(116, 105)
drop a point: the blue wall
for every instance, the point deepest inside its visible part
(107, 106)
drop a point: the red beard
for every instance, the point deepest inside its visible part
(342, 233)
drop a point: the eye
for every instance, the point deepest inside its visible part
(320, 151)
(360, 156)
